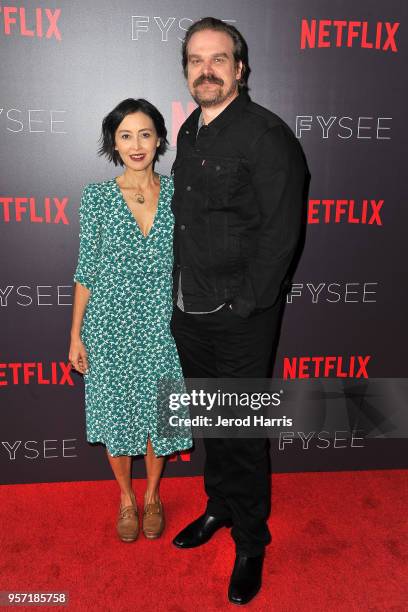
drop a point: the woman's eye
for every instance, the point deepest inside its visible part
(125, 136)
(146, 134)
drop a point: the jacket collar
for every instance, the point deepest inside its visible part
(230, 113)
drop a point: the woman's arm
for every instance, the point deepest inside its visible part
(85, 274)
(77, 351)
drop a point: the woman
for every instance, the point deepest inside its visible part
(120, 337)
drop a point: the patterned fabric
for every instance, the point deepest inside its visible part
(126, 327)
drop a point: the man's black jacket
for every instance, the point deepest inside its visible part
(239, 189)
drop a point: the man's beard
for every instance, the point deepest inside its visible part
(218, 97)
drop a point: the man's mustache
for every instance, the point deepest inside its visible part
(208, 79)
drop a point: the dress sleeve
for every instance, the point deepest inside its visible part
(89, 238)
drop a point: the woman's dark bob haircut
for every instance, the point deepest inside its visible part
(115, 117)
(240, 47)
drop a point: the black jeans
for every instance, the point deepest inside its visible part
(236, 473)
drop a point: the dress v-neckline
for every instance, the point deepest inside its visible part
(144, 236)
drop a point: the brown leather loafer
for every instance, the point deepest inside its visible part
(128, 523)
(153, 520)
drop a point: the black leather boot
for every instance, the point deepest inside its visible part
(200, 531)
(246, 579)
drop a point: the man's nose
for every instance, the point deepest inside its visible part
(207, 68)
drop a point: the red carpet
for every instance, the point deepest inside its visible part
(339, 544)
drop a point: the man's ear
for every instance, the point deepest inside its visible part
(239, 70)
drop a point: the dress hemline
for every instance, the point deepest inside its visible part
(126, 453)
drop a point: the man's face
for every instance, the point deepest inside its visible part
(212, 74)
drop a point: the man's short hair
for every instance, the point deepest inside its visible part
(240, 47)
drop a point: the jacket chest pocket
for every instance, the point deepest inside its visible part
(187, 175)
(222, 178)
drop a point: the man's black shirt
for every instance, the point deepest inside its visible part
(239, 189)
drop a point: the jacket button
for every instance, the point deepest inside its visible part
(187, 132)
(188, 188)
(218, 168)
(182, 227)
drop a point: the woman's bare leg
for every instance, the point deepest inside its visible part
(121, 467)
(154, 468)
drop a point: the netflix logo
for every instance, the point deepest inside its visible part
(33, 210)
(32, 22)
(366, 212)
(181, 456)
(38, 373)
(178, 117)
(354, 366)
(324, 33)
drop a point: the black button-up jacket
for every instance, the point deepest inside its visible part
(239, 189)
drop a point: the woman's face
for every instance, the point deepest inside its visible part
(136, 141)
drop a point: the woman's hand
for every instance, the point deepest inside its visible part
(78, 356)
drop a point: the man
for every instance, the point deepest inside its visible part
(239, 185)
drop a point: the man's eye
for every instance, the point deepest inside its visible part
(194, 61)
(219, 60)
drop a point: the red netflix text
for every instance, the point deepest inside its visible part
(34, 22)
(29, 372)
(345, 211)
(354, 366)
(178, 117)
(46, 210)
(181, 456)
(323, 33)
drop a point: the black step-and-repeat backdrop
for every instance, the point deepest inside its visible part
(334, 70)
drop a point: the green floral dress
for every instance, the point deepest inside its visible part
(126, 327)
